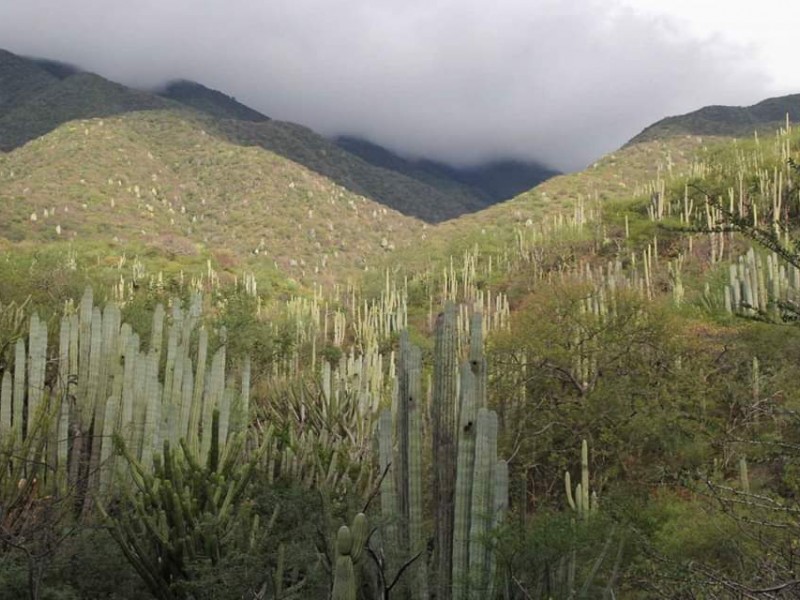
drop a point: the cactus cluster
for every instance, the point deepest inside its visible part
(103, 384)
(350, 544)
(183, 510)
(470, 483)
(759, 286)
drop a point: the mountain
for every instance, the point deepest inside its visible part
(732, 121)
(209, 101)
(37, 96)
(662, 150)
(20, 81)
(487, 183)
(429, 172)
(44, 102)
(501, 179)
(406, 194)
(57, 69)
(623, 174)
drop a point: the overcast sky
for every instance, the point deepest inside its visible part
(562, 81)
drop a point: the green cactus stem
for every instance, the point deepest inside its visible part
(443, 407)
(350, 544)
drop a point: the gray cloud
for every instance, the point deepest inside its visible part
(458, 80)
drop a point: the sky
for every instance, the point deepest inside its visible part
(556, 81)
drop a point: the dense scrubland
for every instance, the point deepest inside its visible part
(588, 391)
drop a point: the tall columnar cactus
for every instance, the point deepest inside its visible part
(471, 484)
(105, 384)
(583, 503)
(744, 477)
(463, 494)
(409, 460)
(350, 543)
(443, 408)
(344, 577)
(389, 509)
(477, 454)
(481, 517)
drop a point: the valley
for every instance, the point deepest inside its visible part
(242, 360)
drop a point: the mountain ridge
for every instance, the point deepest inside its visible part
(722, 120)
(208, 100)
(47, 101)
(488, 182)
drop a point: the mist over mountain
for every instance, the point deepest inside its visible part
(38, 95)
(491, 182)
(539, 81)
(209, 101)
(41, 94)
(59, 70)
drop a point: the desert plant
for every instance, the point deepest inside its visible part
(184, 510)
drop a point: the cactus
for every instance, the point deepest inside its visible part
(444, 442)
(464, 472)
(471, 484)
(481, 518)
(744, 477)
(344, 579)
(350, 543)
(583, 503)
(184, 509)
(104, 385)
(409, 473)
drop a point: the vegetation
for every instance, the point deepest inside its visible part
(738, 121)
(605, 407)
(38, 97)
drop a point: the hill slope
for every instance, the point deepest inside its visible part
(20, 80)
(34, 101)
(487, 183)
(665, 148)
(300, 144)
(734, 121)
(57, 69)
(211, 102)
(613, 177)
(159, 180)
(79, 96)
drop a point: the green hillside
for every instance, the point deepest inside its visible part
(20, 80)
(300, 144)
(159, 180)
(39, 102)
(733, 121)
(57, 69)
(211, 102)
(630, 171)
(488, 183)
(81, 96)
